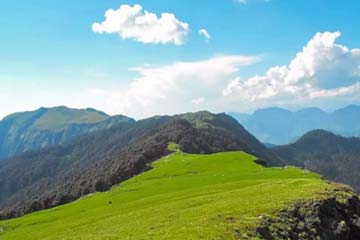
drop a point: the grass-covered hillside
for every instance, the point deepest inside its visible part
(184, 196)
(21, 132)
(99, 160)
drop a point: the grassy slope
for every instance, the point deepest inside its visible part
(184, 197)
(57, 118)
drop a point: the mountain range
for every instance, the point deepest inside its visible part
(21, 132)
(280, 126)
(335, 157)
(54, 156)
(98, 160)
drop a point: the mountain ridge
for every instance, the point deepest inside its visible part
(203, 196)
(95, 162)
(32, 130)
(281, 126)
(331, 155)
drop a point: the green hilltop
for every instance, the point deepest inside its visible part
(184, 196)
(34, 130)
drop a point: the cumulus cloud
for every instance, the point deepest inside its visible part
(322, 69)
(205, 33)
(176, 87)
(132, 22)
(322, 72)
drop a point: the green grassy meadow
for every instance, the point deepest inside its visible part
(184, 196)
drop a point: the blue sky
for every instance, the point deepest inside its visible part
(50, 55)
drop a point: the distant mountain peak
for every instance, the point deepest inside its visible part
(310, 110)
(318, 132)
(353, 108)
(280, 126)
(43, 127)
(331, 155)
(271, 110)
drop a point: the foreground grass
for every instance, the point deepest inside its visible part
(217, 196)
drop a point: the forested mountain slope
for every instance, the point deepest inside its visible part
(335, 157)
(99, 160)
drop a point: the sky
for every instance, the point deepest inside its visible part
(149, 57)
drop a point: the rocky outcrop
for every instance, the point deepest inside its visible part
(334, 217)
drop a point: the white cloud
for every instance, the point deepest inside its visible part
(205, 33)
(176, 87)
(198, 101)
(132, 22)
(323, 69)
(96, 91)
(324, 73)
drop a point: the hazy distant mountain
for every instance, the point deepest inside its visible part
(33, 130)
(333, 156)
(279, 126)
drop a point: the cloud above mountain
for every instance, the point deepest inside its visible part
(179, 86)
(133, 22)
(322, 69)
